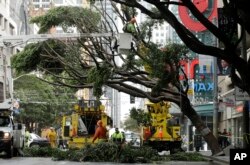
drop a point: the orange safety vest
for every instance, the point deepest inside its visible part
(160, 134)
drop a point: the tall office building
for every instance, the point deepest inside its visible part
(162, 33)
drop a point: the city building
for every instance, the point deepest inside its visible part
(8, 18)
(11, 23)
(232, 101)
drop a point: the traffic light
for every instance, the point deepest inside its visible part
(132, 99)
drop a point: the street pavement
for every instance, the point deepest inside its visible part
(213, 160)
(49, 161)
(222, 159)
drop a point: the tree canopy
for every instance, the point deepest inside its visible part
(40, 103)
(92, 62)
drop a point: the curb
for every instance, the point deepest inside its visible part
(216, 158)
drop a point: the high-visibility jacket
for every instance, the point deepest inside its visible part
(27, 135)
(117, 137)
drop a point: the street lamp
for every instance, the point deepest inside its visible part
(16, 78)
(13, 79)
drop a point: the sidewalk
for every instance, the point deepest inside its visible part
(222, 159)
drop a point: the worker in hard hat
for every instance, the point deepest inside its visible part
(130, 27)
(27, 136)
(100, 132)
(52, 137)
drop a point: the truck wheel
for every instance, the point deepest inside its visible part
(9, 152)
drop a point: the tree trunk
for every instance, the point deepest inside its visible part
(208, 136)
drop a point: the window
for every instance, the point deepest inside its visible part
(36, 6)
(45, 6)
(78, 1)
(58, 1)
(1, 92)
(5, 23)
(4, 121)
(12, 30)
(59, 31)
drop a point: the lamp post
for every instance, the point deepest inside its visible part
(12, 85)
(16, 78)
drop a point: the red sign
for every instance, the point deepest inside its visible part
(207, 7)
(189, 67)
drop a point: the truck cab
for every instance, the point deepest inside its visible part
(78, 127)
(11, 135)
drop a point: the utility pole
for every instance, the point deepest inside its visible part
(215, 99)
(245, 114)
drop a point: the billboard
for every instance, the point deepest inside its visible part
(223, 67)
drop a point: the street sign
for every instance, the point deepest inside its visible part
(240, 95)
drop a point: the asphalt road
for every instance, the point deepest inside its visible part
(49, 161)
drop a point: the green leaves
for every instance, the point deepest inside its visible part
(99, 76)
(85, 20)
(27, 59)
(40, 102)
(40, 55)
(140, 116)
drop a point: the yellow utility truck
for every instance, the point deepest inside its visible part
(163, 130)
(78, 127)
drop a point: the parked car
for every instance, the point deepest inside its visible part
(133, 139)
(37, 141)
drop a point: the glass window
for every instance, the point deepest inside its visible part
(36, 6)
(78, 1)
(4, 121)
(45, 6)
(58, 1)
(1, 93)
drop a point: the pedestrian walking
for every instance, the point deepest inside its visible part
(225, 138)
(220, 139)
(197, 142)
